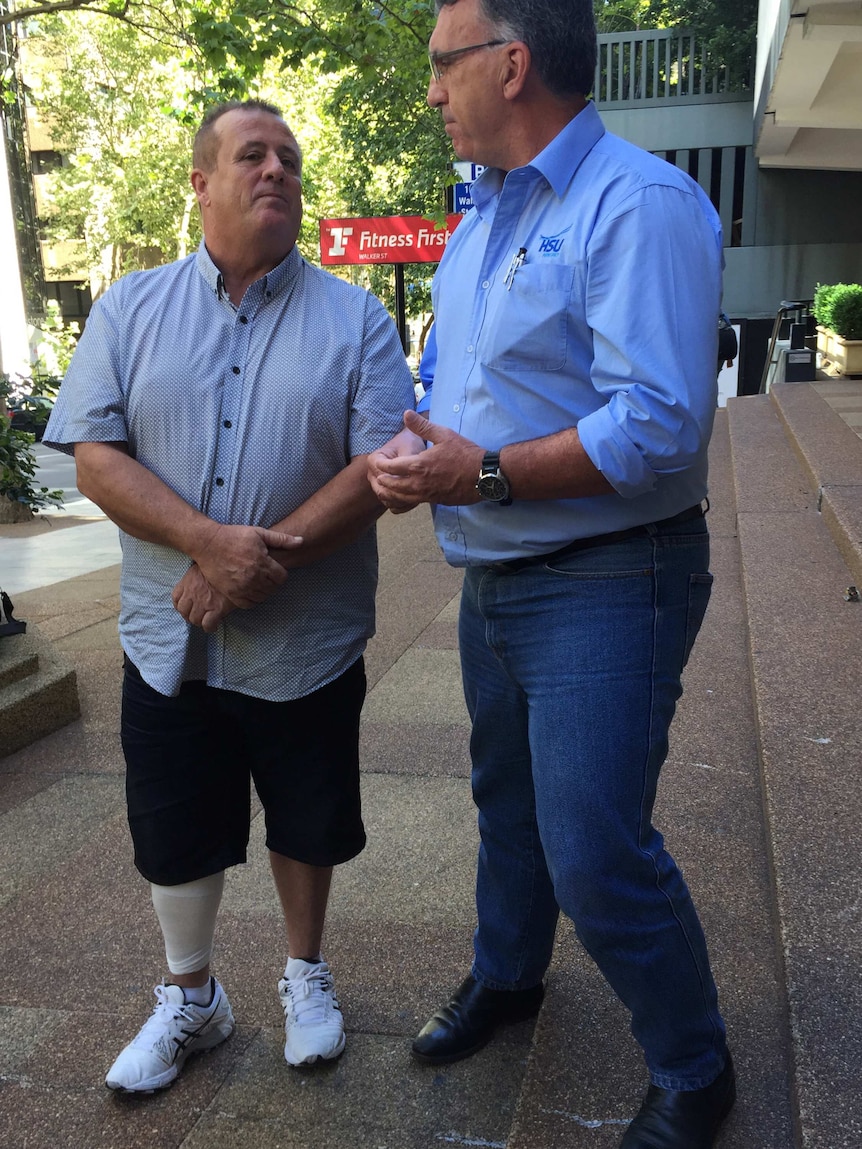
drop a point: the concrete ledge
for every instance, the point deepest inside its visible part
(38, 691)
(805, 644)
(831, 456)
(15, 661)
(842, 514)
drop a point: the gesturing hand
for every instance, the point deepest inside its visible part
(444, 473)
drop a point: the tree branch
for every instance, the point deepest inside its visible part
(17, 15)
(408, 24)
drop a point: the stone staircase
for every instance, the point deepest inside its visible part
(38, 690)
(800, 529)
(761, 801)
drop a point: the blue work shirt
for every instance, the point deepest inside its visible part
(245, 411)
(607, 321)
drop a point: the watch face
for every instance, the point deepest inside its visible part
(492, 487)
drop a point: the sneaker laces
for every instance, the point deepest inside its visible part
(164, 1013)
(312, 995)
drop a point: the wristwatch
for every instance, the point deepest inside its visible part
(492, 484)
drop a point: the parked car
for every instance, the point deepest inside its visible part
(30, 413)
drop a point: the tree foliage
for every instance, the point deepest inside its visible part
(232, 42)
(122, 101)
(351, 77)
(728, 28)
(114, 104)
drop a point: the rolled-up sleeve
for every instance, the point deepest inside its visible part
(654, 337)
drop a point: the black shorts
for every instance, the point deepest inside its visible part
(190, 761)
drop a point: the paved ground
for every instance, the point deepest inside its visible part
(79, 951)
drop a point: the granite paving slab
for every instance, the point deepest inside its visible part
(40, 560)
(805, 643)
(79, 748)
(766, 475)
(58, 1100)
(37, 836)
(373, 1095)
(424, 685)
(423, 748)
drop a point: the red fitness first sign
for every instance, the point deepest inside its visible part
(387, 239)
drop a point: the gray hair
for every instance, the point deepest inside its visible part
(561, 36)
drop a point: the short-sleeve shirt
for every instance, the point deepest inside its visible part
(245, 411)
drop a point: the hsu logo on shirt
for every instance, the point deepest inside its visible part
(553, 244)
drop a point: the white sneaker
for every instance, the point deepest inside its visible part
(313, 1025)
(175, 1029)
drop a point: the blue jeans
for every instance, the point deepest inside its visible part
(572, 673)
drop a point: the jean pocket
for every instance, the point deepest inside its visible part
(699, 589)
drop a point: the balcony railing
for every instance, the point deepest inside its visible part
(661, 64)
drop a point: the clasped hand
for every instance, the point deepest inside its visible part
(235, 567)
(405, 473)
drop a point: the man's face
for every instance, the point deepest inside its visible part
(254, 191)
(468, 93)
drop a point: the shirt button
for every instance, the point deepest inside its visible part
(457, 407)
(243, 319)
(235, 370)
(486, 284)
(470, 349)
(219, 482)
(452, 536)
(227, 423)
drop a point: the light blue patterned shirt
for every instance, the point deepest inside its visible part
(609, 324)
(245, 412)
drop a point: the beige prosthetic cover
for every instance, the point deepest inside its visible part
(187, 915)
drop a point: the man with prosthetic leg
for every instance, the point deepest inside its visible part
(221, 411)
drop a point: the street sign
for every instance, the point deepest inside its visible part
(467, 171)
(385, 239)
(462, 200)
(458, 196)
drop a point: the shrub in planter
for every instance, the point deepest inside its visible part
(18, 464)
(838, 306)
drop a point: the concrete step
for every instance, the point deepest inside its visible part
(17, 664)
(38, 690)
(830, 453)
(798, 475)
(585, 1075)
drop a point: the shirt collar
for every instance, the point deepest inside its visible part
(557, 162)
(271, 284)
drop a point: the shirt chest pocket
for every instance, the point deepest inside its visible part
(529, 327)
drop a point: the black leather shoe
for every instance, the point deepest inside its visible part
(469, 1020)
(676, 1119)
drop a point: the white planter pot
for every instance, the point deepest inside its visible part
(844, 355)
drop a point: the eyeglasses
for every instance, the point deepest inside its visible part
(440, 61)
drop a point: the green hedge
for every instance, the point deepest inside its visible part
(838, 306)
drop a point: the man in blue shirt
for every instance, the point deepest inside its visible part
(221, 410)
(565, 457)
